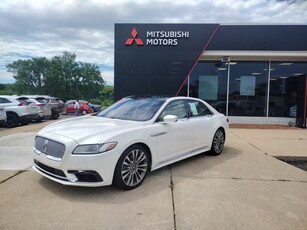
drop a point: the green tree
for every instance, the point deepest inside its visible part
(7, 89)
(89, 81)
(59, 76)
(62, 76)
(29, 75)
(107, 95)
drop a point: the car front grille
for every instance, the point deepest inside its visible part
(50, 147)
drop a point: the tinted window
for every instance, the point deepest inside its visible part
(135, 109)
(4, 100)
(285, 91)
(41, 100)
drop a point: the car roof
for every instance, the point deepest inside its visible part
(148, 96)
(161, 97)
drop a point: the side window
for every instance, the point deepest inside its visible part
(4, 100)
(176, 108)
(198, 109)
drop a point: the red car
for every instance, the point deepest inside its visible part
(84, 107)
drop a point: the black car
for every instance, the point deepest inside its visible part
(95, 107)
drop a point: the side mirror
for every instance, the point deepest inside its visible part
(170, 119)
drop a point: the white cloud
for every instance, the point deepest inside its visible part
(108, 76)
(35, 28)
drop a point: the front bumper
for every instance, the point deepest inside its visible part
(77, 170)
(29, 117)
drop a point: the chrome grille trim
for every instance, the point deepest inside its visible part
(53, 149)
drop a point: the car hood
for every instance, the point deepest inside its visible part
(89, 129)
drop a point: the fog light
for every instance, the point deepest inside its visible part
(86, 175)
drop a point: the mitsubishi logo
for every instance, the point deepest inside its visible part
(130, 41)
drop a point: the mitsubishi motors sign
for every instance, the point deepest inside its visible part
(157, 37)
(155, 59)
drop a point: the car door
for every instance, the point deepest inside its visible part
(70, 107)
(174, 138)
(202, 125)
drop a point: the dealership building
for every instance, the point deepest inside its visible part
(254, 74)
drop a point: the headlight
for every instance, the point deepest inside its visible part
(94, 149)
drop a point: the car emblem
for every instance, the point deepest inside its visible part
(44, 150)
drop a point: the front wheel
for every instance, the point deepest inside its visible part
(84, 112)
(218, 142)
(131, 168)
(11, 120)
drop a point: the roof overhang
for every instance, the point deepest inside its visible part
(246, 55)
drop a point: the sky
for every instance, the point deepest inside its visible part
(40, 28)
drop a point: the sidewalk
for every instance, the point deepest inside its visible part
(244, 188)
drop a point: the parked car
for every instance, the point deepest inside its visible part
(17, 112)
(44, 109)
(125, 141)
(95, 107)
(2, 115)
(84, 107)
(57, 106)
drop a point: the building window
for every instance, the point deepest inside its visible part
(248, 87)
(284, 84)
(248, 83)
(208, 81)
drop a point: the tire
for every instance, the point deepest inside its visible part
(131, 168)
(24, 122)
(39, 119)
(84, 112)
(54, 117)
(218, 142)
(12, 120)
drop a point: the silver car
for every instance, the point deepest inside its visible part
(18, 112)
(2, 115)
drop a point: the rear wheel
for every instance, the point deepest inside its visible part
(218, 142)
(11, 120)
(39, 119)
(24, 122)
(131, 168)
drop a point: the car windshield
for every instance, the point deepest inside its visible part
(134, 109)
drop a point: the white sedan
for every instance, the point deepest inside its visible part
(121, 144)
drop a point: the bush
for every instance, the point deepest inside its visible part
(95, 101)
(107, 102)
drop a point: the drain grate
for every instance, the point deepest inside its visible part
(299, 162)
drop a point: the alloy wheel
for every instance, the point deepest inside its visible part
(218, 142)
(134, 168)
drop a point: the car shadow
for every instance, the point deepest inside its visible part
(156, 182)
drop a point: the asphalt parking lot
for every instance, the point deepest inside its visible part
(244, 188)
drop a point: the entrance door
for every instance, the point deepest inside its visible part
(296, 99)
(301, 115)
